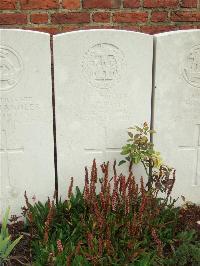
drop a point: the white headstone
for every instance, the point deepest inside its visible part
(26, 126)
(177, 108)
(102, 87)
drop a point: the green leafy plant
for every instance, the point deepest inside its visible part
(6, 245)
(120, 223)
(187, 251)
(139, 149)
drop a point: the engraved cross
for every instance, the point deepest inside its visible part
(105, 67)
(196, 149)
(7, 151)
(106, 149)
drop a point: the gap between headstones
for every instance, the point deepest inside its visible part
(54, 119)
(153, 87)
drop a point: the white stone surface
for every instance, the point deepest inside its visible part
(26, 134)
(177, 108)
(103, 86)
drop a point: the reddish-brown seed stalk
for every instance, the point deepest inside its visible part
(59, 246)
(48, 222)
(70, 188)
(157, 241)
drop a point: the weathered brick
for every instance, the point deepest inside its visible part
(157, 29)
(130, 28)
(184, 12)
(71, 4)
(7, 4)
(101, 3)
(161, 3)
(185, 16)
(87, 27)
(159, 16)
(39, 4)
(101, 17)
(51, 30)
(75, 17)
(39, 18)
(130, 17)
(131, 3)
(189, 3)
(187, 27)
(13, 19)
(70, 28)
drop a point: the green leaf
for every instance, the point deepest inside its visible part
(121, 162)
(130, 134)
(136, 159)
(11, 246)
(139, 129)
(4, 230)
(3, 245)
(151, 131)
(136, 136)
(124, 152)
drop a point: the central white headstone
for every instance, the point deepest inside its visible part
(177, 108)
(26, 126)
(102, 87)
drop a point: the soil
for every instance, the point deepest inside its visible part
(21, 254)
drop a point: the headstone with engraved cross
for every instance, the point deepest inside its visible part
(8, 188)
(196, 154)
(103, 150)
(102, 87)
(26, 144)
(177, 108)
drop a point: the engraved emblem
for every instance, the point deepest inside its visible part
(103, 65)
(10, 68)
(191, 67)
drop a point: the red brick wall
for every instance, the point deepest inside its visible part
(55, 16)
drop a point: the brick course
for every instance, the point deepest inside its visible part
(55, 16)
(71, 4)
(159, 16)
(38, 4)
(39, 18)
(7, 4)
